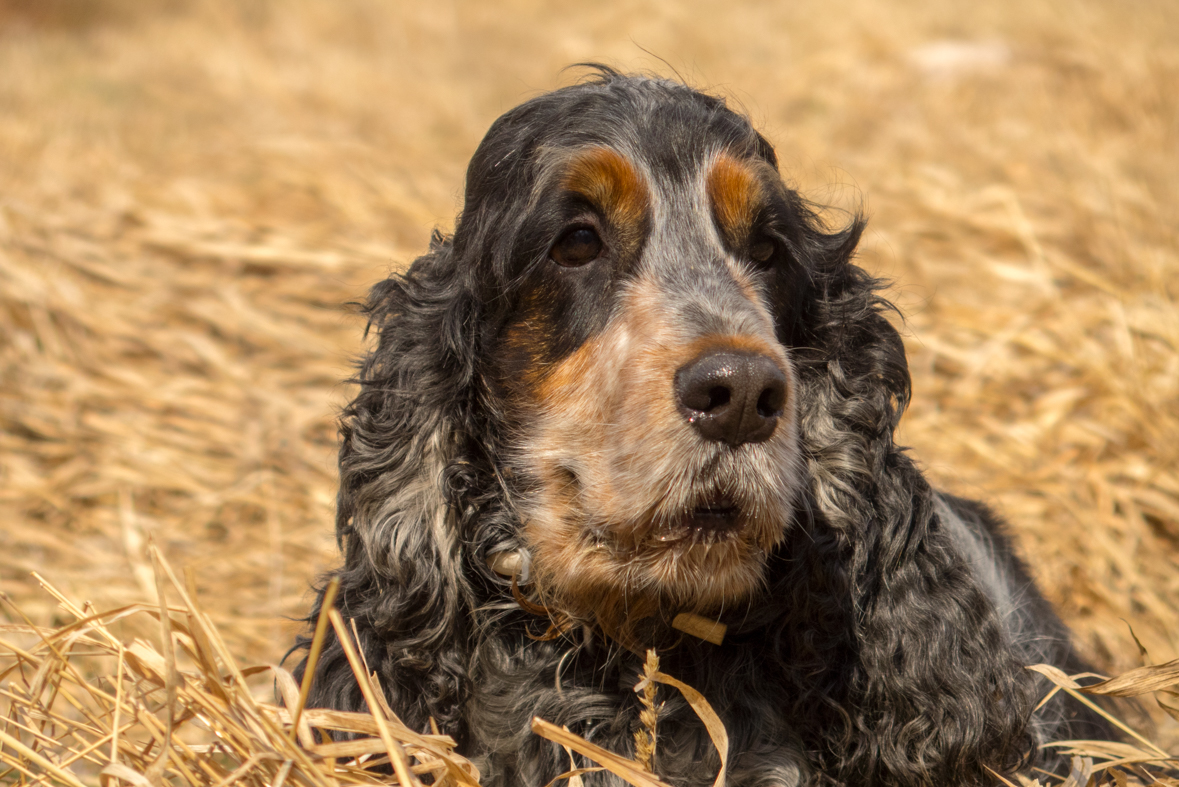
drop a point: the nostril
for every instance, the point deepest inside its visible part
(699, 396)
(769, 404)
(718, 396)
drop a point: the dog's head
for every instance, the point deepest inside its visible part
(649, 272)
(638, 359)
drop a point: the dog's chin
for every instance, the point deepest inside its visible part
(708, 557)
(705, 559)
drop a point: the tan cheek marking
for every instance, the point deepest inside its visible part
(521, 349)
(561, 385)
(610, 182)
(736, 194)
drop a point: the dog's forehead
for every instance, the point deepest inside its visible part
(630, 186)
(666, 130)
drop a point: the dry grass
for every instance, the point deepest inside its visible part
(190, 192)
(84, 704)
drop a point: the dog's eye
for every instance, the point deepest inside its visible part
(761, 250)
(577, 247)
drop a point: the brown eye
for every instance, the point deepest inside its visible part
(762, 250)
(577, 247)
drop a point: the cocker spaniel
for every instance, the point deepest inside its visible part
(643, 379)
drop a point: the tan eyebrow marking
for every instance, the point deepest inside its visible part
(607, 179)
(736, 193)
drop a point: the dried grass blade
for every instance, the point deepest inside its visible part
(33, 756)
(17, 766)
(1070, 686)
(38, 735)
(1056, 675)
(1142, 680)
(628, 770)
(362, 723)
(281, 777)
(998, 776)
(1047, 698)
(97, 743)
(712, 722)
(49, 640)
(396, 753)
(206, 656)
(328, 604)
(289, 690)
(121, 771)
(96, 622)
(574, 776)
(118, 704)
(241, 770)
(1104, 749)
(353, 748)
(206, 625)
(1081, 773)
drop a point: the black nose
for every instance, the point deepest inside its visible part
(731, 396)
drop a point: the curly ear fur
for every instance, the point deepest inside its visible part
(401, 465)
(910, 655)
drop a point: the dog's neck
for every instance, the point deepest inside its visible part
(635, 631)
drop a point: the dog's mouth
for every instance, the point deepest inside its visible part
(716, 518)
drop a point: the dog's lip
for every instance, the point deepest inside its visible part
(715, 518)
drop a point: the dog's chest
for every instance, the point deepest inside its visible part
(597, 700)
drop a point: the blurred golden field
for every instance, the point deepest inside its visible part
(190, 193)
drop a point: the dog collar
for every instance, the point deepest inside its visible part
(511, 563)
(700, 627)
(517, 564)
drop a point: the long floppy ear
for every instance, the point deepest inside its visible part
(401, 450)
(920, 676)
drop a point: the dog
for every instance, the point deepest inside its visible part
(642, 380)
